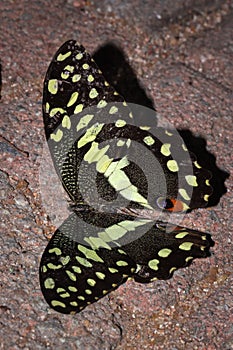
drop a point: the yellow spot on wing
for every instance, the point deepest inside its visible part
(76, 78)
(112, 270)
(90, 78)
(72, 289)
(119, 180)
(76, 269)
(89, 253)
(128, 143)
(73, 99)
(88, 291)
(90, 134)
(85, 66)
(120, 143)
(149, 140)
(172, 165)
(73, 303)
(145, 127)
(44, 269)
(153, 279)
(103, 164)
(164, 253)
(117, 231)
(184, 194)
(84, 121)
(49, 283)
(172, 269)
(57, 303)
(120, 123)
(131, 225)
(94, 154)
(55, 111)
(91, 282)
(93, 93)
(153, 264)
(66, 123)
(191, 180)
(69, 68)
(83, 261)
(71, 275)
(117, 165)
(165, 149)
(62, 57)
(47, 107)
(64, 260)
(113, 110)
(101, 104)
(65, 75)
(52, 266)
(186, 246)
(96, 243)
(78, 108)
(112, 233)
(189, 258)
(121, 251)
(181, 234)
(79, 56)
(100, 275)
(65, 295)
(57, 136)
(53, 86)
(131, 193)
(197, 165)
(55, 250)
(121, 263)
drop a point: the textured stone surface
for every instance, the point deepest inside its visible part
(182, 56)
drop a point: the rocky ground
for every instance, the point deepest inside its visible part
(182, 58)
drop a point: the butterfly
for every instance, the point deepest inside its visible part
(121, 176)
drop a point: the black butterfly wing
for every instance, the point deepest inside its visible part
(93, 252)
(76, 101)
(73, 85)
(80, 266)
(164, 249)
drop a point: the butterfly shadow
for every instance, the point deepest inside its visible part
(115, 67)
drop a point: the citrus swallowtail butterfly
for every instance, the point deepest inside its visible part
(109, 236)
